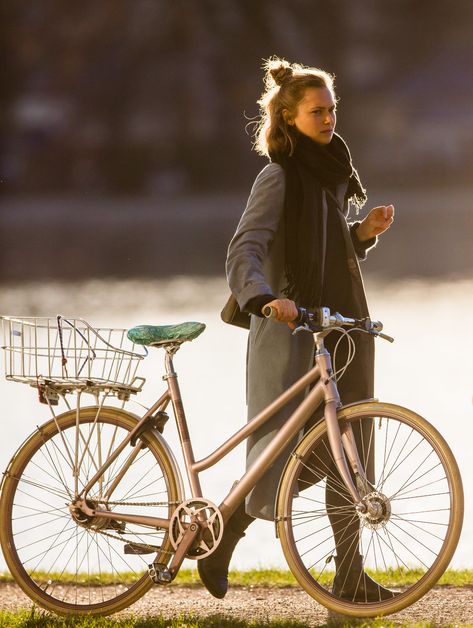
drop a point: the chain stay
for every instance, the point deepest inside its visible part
(110, 503)
(118, 503)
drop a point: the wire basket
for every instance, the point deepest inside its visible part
(66, 354)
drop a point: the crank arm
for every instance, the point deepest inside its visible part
(186, 542)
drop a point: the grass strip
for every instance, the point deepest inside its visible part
(259, 578)
(38, 619)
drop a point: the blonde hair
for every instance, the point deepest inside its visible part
(285, 85)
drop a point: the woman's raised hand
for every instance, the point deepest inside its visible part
(285, 308)
(376, 222)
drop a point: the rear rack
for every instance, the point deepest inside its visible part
(59, 355)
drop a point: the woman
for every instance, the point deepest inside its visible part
(293, 246)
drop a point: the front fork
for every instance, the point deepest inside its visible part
(342, 441)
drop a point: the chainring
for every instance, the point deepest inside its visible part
(209, 517)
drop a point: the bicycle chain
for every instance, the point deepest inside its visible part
(110, 503)
(118, 538)
(113, 536)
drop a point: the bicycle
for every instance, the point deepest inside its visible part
(96, 490)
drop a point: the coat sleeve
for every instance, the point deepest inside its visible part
(361, 248)
(249, 246)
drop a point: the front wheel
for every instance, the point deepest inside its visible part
(405, 546)
(63, 560)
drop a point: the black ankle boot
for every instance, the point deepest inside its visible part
(213, 570)
(352, 583)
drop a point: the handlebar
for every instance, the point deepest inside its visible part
(322, 319)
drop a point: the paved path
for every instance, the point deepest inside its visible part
(442, 605)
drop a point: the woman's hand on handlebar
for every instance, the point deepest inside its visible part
(286, 311)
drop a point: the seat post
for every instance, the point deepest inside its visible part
(181, 422)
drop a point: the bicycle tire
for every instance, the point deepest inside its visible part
(416, 536)
(72, 568)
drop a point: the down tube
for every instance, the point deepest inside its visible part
(271, 452)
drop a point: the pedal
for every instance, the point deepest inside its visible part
(159, 573)
(140, 548)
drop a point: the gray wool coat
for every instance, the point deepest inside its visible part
(276, 358)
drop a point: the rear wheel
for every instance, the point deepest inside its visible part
(65, 561)
(418, 501)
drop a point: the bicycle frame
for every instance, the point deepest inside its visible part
(324, 390)
(338, 524)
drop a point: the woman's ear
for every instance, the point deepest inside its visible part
(287, 118)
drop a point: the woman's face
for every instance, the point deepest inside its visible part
(315, 116)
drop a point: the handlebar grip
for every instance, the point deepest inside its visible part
(270, 312)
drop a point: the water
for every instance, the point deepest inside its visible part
(428, 368)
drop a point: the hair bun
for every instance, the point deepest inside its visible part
(281, 74)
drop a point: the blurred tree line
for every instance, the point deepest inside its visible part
(145, 97)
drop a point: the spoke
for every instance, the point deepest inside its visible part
(84, 557)
(59, 477)
(421, 512)
(406, 547)
(131, 496)
(138, 481)
(386, 458)
(353, 536)
(408, 483)
(322, 503)
(313, 515)
(86, 450)
(70, 462)
(318, 531)
(430, 523)
(364, 553)
(397, 499)
(324, 469)
(55, 464)
(390, 545)
(42, 486)
(120, 557)
(47, 537)
(399, 518)
(92, 427)
(417, 488)
(53, 545)
(385, 446)
(376, 536)
(42, 524)
(37, 512)
(366, 455)
(117, 464)
(57, 582)
(393, 469)
(30, 497)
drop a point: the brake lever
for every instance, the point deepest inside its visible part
(380, 335)
(300, 328)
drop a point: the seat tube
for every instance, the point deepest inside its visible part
(181, 422)
(332, 402)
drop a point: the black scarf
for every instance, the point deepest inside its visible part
(311, 168)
